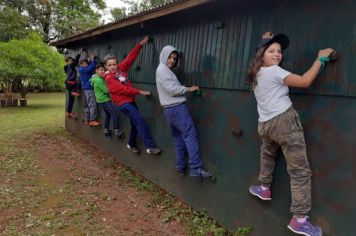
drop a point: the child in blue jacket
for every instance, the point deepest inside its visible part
(86, 70)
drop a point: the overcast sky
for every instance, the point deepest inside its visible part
(113, 3)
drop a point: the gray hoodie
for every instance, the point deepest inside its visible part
(170, 91)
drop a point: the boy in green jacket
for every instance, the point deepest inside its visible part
(102, 97)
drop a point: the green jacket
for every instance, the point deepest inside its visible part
(100, 89)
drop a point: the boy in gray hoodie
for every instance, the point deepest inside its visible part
(172, 98)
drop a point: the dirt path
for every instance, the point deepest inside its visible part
(83, 192)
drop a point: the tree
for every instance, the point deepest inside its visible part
(72, 17)
(55, 19)
(138, 6)
(12, 25)
(29, 63)
(118, 13)
(134, 7)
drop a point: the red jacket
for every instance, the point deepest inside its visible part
(123, 92)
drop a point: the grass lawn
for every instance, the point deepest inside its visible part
(47, 187)
(44, 112)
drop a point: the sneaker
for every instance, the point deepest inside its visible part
(94, 123)
(70, 115)
(107, 133)
(305, 228)
(181, 171)
(86, 122)
(133, 149)
(154, 151)
(260, 193)
(120, 134)
(75, 94)
(200, 172)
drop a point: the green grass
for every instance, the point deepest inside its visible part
(22, 192)
(18, 125)
(35, 208)
(197, 223)
(44, 112)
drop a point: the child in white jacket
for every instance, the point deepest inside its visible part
(172, 98)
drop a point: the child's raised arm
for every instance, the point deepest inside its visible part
(125, 64)
(305, 80)
(76, 60)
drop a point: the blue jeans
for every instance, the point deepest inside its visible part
(90, 112)
(110, 112)
(138, 125)
(184, 134)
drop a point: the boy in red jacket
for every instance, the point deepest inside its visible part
(123, 94)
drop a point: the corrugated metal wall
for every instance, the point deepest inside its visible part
(216, 42)
(216, 48)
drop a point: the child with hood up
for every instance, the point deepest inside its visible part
(172, 98)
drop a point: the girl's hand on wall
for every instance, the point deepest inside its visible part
(144, 40)
(325, 52)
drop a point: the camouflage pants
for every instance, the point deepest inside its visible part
(285, 131)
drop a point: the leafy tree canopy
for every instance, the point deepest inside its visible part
(30, 63)
(134, 7)
(12, 24)
(53, 19)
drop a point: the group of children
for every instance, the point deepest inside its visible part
(278, 125)
(113, 91)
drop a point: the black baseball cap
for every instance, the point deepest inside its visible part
(282, 39)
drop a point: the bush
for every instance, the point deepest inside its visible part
(29, 63)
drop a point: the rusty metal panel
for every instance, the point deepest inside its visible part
(216, 42)
(329, 133)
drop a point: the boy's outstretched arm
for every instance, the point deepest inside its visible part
(89, 68)
(173, 88)
(76, 60)
(125, 64)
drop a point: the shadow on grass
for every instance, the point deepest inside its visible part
(42, 106)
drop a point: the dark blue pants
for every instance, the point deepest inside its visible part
(110, 112)
(138, 125)
(184, 134)
(71, 87)
(70, 101)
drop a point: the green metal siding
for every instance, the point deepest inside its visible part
(216, 42)
(217, 47)
(329, 135)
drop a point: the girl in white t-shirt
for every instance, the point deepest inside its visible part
(280, 127)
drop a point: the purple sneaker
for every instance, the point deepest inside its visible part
(260, 193)
(305, 228)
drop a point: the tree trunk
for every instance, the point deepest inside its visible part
(23, 102)
(8, 89)
(46, 20)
